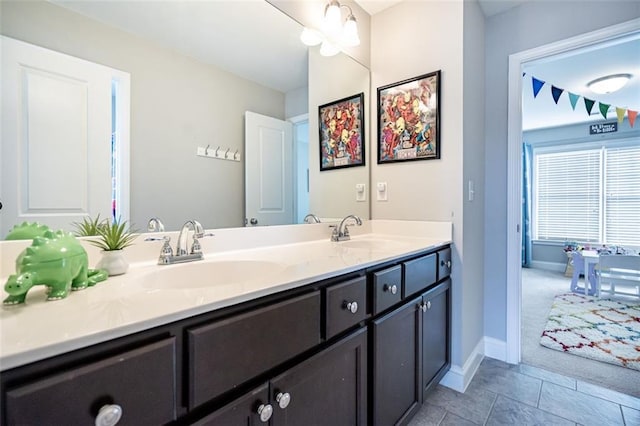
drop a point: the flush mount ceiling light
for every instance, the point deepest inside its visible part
(334, 34)
(608, 84)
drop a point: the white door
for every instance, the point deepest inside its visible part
(268, 170)
(56, 137)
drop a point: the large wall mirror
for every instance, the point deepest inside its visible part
(190, 86)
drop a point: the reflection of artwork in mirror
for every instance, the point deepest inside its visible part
(409, 119)
(342, 133)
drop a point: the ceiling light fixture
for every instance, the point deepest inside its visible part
(335, 35)
(608, 84)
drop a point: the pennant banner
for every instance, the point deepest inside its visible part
(537, 85)
(556, 93)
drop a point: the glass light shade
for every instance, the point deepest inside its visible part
(332, 17)
(328, 49)
(311, 37)
(350, 32)
(608, 84)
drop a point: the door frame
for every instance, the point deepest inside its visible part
(514, 167)
(296, 120)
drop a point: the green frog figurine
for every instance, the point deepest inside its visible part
(56, 260)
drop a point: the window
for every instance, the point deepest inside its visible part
(588, 195)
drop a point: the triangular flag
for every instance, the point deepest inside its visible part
(574, 100)
(537, 85)
(588, 104)
(631, 116)
(604, 108)
(620, 113)
(556, 92)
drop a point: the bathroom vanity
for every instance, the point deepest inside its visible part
(339, 335)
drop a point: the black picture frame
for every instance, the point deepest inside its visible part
(409, 119)
(341, 131)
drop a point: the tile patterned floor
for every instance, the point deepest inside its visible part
(504, 394)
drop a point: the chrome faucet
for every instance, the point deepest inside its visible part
(313, 218)
(181, 254)
(341, 233)
(155, 225)
(198, 232)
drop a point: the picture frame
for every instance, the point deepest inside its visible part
(409, 119)
(341, 129)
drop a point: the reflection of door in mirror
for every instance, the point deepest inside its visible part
(65, 140)
(269, 173)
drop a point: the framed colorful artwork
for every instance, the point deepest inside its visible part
(341, 125)
(409, 119)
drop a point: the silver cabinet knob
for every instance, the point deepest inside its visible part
(423, 307)
(351, 306)
(448, 263)
(428, 304)
(283, 399)
(265, 411)
(109, 415)
(393, 289)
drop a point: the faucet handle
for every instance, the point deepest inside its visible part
(195, 246)
(166, 252)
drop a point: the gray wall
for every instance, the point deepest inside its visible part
(435, 189)
(530, 25)
(177, 104)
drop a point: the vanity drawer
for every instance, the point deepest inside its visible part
(387, 288)
(444, 263)
(346, 305)
(419, 274)
(141, 381)
(228, 352)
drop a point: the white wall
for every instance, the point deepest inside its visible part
(414, 38)
(332, 193)
(177, 104)
(531, 25)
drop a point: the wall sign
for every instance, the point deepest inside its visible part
(596, 129)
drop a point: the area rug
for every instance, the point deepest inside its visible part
(600, 329)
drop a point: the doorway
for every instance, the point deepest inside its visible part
(514, 168)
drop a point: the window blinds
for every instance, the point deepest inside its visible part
(622, 196)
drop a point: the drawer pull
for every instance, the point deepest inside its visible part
(265, 411)
(109, 415)
(283, 399)
(393, 289)
(351, 306)
(448, 263)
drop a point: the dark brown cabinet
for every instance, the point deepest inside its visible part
(227, 353)
(140, 384)
(358, 349)
(330, 388)
(396, 364)
(436, 348)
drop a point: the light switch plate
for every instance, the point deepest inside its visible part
(361, 194)
(381, 191)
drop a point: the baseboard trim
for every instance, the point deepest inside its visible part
(549, 266)
(458, 378)
(494, 348)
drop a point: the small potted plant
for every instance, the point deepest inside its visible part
(112, 237)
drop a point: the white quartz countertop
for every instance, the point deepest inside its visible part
(150, 295)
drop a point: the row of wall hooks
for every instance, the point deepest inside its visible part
(219, 153)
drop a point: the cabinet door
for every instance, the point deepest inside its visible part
(328, 389)
(251, 409)
(396, 363)
(141, 382)
(435, 333)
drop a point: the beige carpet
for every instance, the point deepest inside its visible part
(539, 287)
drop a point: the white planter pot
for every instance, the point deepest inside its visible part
(113, 262)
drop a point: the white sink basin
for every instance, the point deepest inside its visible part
(201, 274)
(372, 244)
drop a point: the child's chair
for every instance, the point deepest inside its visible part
(578, 269)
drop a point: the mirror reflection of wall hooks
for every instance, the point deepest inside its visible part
(221, 154)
